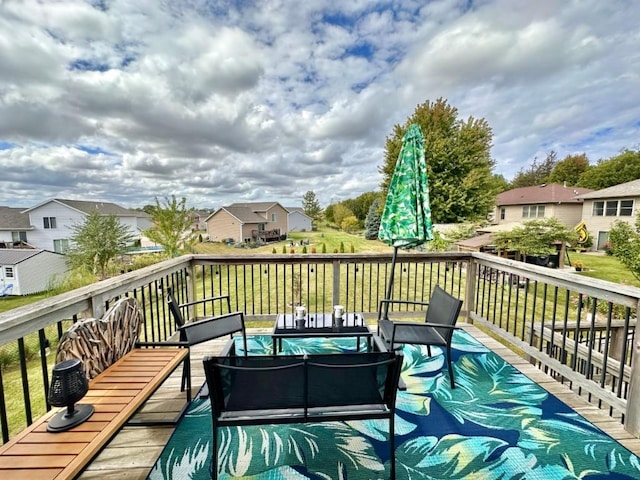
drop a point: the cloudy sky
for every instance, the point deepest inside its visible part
(257, 100)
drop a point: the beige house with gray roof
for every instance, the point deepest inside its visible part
(602, 208)
(14, 227)
(248, 222)
(538, 202)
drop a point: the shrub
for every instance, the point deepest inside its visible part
(324, 248)
(304, 249)
(341, 247)
(352, 248)
(313, 250)
(273, 250)
(284, 249)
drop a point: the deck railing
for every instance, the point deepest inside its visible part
(577, 329)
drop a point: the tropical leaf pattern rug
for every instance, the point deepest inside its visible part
(496, 424)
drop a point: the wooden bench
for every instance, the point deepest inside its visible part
(117, 394)
(256, 390)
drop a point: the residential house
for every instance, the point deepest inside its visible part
(52, 221)
(298, 221)
(14, 226)
(538, 202)
(26, 271)
(601, 208)
(247, 222)
(199, 220)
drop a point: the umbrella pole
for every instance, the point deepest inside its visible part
(390, 287)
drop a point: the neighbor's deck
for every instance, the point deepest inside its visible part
(133, 452)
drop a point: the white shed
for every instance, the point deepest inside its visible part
(29, 270)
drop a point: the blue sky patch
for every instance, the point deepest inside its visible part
(88, 65)
(93, 150)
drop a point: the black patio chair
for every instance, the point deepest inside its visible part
(204, 329)
(437, 330)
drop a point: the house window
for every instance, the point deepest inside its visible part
(598, 209)
(19, 236)
(49, 222)
(626, 208)
(503, 212)
(613, 208)
(8, 272)
(533, 211)
(274, 217)
(61, 245)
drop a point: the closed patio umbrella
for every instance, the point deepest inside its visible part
(406, 219)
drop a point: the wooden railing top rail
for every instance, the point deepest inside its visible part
(21, 321)
(614, 292)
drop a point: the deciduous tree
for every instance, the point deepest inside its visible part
(569, 169)
(624, 242)
(97, 241)
(171, 227)
(537, 173)
(535, 237)
(619, 169)
(458, 159)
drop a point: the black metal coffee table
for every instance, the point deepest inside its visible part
(320, 325)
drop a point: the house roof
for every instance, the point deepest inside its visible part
(545, 193)
(13, 256)
(243, 214)
(477, 241)
(294, 209)
(627, 189)
(13, 219)
(104, 208)
(255, 206)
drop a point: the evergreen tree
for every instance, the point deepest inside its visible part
(372, 222)
(311, 206)
(458, 158)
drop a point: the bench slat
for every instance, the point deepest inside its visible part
(36, 454)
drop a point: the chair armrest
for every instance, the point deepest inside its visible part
(399, 302)
(210, 299)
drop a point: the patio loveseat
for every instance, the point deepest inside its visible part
(257, 390)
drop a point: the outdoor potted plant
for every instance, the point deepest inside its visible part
(579, 266)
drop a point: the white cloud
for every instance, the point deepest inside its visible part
(224, 102)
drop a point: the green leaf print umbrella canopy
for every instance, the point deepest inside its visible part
(406, 219)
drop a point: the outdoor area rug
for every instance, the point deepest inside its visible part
(496, 424)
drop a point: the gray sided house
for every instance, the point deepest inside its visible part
(24, 271)
(298, 221)
(248, 222)
(602, 208)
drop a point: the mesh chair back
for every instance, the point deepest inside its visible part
(174, 309)
(444, 309)
(214, 327)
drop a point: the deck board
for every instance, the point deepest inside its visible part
(115, 463)
(37, 454)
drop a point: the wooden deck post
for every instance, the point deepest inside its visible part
(632, 419)
(336, 283)
(470, 289)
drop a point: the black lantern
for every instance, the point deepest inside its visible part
(68, 385)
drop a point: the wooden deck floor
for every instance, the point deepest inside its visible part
(133, 452)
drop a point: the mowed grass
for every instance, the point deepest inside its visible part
(332, 240)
